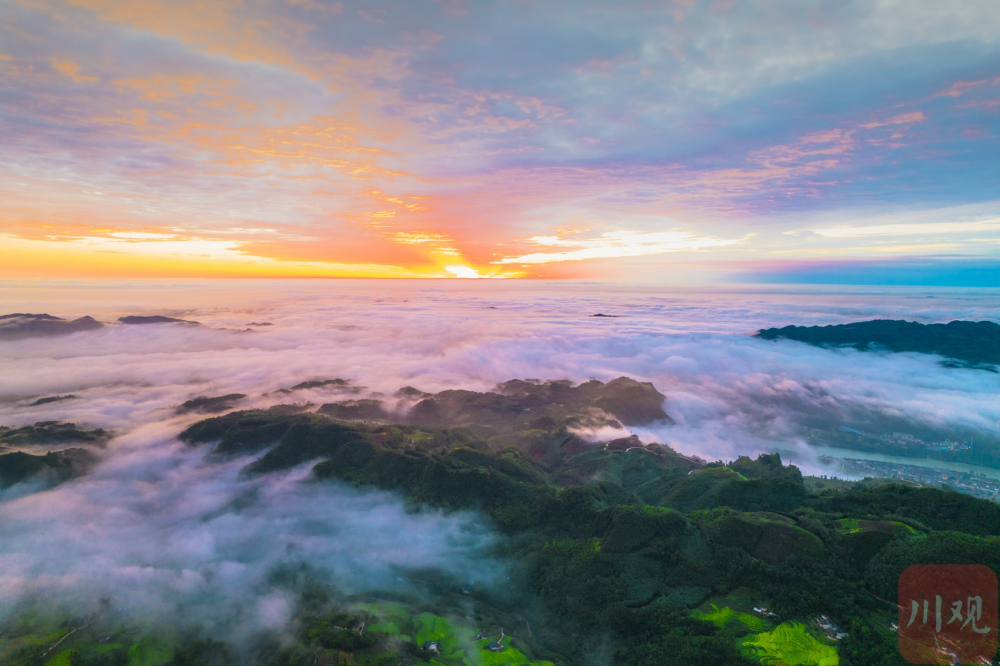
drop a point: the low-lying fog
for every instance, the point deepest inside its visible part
(157, 524)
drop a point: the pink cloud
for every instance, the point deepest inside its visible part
(959, 88)
(900, 119)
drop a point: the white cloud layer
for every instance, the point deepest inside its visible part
(158, 528)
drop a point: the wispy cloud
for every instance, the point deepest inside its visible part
(903, 229)
(614, 244)
(418, 237)
(899, 119)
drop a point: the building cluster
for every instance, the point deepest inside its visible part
(907, 440)
(358, 628)
(826, 624)
(976, 485)
(497, 645)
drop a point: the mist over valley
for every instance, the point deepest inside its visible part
(445, 463)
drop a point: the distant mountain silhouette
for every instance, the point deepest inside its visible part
(51, 432)
(155, 319)
(60, 465)
(210, 405)
(971, 343)
(54, 398)
(27, 325)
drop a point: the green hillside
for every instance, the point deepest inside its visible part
(619, 553)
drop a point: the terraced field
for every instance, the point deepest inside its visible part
(453, 641)
(456, 641)
(455, 638)
(895, 528)
(789, 644)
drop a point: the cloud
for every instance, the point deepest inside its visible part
(140, 235)
(417, 237)
(692, 344)
(165, 532)
(175, 540)
(959, 88)
(143, 254)
(899, 119)
(485, 125)
(916, 229)
(613, 244)
(463, 272)
(72, 70)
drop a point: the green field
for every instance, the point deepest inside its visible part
(509, 657)
(720, 617)
(789, 644)
(452, 641)
(854, 525)
(149, 651)
(455, 640)
(61, 659)
(393, 619)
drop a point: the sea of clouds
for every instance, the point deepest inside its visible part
(161, 531)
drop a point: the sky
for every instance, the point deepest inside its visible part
(781, 141)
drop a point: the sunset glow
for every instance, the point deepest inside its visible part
(307, 138)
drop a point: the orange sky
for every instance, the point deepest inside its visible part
(155, 138)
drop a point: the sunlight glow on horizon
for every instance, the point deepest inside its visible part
(156, 138)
